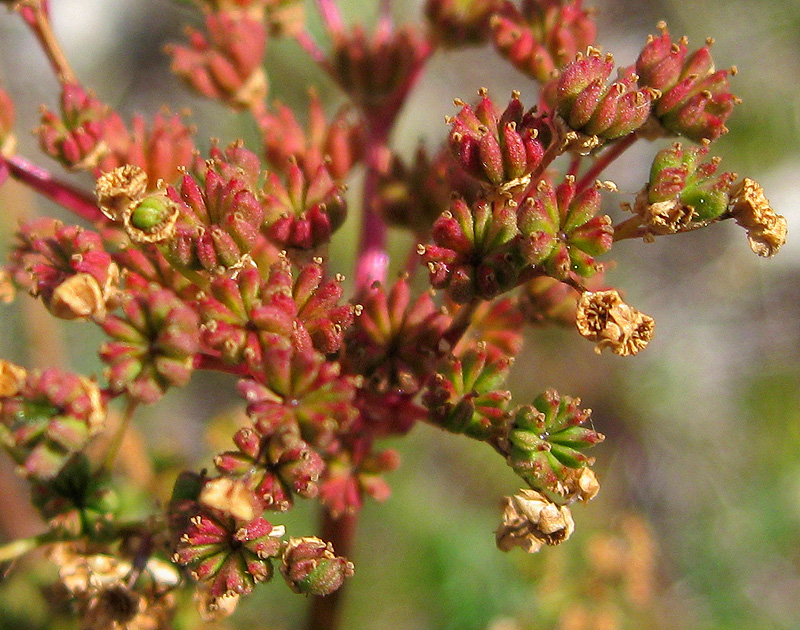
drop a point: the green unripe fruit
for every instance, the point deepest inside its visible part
(150, 213)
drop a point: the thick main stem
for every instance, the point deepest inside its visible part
(326, 611)
(373, 261)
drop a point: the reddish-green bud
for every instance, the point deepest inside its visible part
(77, 500)
(457, 23)
(695, 99)
(47, 417)
(227, 65)
(414, 196)
(562, 232)
(339, 144)
(543, 35)
(232, 556)
(464, 395)
(499, 149)
(274, 467)
(371, 69)
(298, 387)
(395, 341)
(473, 251)
(310, 566)
(302, 212)
(76, 138)
(590, 107)
(549, 437)
(153, 345)
(354, 473)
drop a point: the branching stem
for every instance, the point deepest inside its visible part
(606, 158)
(73, 199)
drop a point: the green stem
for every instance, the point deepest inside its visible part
(19, 547)
(119, 436)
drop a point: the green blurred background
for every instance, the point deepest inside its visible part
(697, 524)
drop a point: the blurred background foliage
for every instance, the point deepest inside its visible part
(698, 521)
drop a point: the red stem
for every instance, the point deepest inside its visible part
(326, 611)
(215, 364)
(331, 16)
(313, 50)
(603, 161)
(81, 203)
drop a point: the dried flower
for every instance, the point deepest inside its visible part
(604, 318)
(68, 267)
(230, 496)
(153, 345)
(562, 232)
(695, 100)
(531, 521)
(51, 416)
(227, 65)
(310, 566)
(105, 599)
(766, 230)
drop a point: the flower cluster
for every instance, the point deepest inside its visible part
(226, 262)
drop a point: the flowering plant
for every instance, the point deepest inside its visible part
(220, 262)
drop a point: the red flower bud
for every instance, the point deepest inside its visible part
(543, 35)
(695, 99)
(499, 149)
(227, 66)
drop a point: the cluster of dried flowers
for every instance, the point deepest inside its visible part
(218, 262)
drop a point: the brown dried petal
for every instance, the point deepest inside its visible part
(580, 484)
(213, 608)
(604, 318)
(118, 189)
(663, 217)
(231, 496)
(766, 230)
(82, 297)
(530, 521)
(12, 378)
